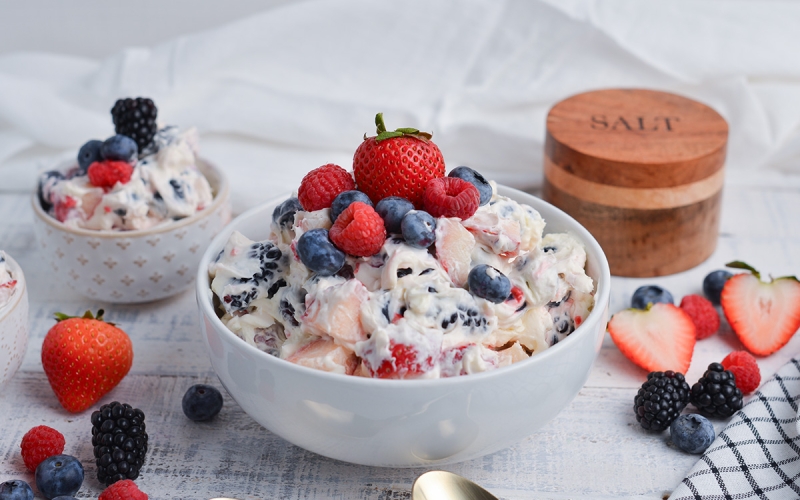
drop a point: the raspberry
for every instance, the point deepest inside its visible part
(744, 367)
(359, 230)
(63, 208)
(107, 173)
(703, 314)
(451, 197)
(404, 363)
(39, 443)
(123, 490)
(320, 186)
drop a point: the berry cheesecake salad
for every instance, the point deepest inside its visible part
(398, 271)
(139, 178)
(8, 282)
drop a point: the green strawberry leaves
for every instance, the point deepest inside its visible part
(738, 264)
(87, 315)
(384, 134)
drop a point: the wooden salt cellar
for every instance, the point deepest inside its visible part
(643, 171)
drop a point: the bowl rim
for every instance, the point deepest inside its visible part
(602, 296)
(21, 288)
(220, 197)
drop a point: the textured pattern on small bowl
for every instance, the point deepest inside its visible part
(134, 266)
(13, 326)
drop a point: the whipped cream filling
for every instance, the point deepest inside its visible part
(8, 282)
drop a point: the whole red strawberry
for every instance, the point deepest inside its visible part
(398, 163)
(84, 358)
(123, 490)
(106, 174)
(320, 186)
(39, 443)
(359, 230)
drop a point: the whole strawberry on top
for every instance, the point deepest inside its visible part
(764, 315)
(84, 358)
(397, 163)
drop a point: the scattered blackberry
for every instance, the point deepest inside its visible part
(120, 442)
(716, 394)
(660, 400)
(135, 118)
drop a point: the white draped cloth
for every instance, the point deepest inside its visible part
(282, 92)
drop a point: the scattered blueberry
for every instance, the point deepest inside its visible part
(476, 179)
(15, 490)
(344, 199)
(692, 433)
(283, 215)
(650, 294)
(318, 253)
(120, 148)
(88, 154)
(201, 402)
(489, 283)
(392, 209)
(59, 475)
(713, 283)
(46, 182)
(418, 229)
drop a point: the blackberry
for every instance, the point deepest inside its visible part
(716, 394)
(660, 400)
(136, 118)
(120, 442)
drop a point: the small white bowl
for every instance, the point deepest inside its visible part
(134, 266)
(405, 423)
(13, 326)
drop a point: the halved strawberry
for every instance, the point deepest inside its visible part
(660, 338)
(764, 315)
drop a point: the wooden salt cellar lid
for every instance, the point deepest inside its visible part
(643, 171)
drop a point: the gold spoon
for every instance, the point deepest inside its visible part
(443, 485)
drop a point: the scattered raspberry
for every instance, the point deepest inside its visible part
(39, 443)
(403, 364)
(63, 207)
(451, 197)
(320, 186)
(359, 230)
(745, 368)
(107, 173)
(703, 314)
(123, 490)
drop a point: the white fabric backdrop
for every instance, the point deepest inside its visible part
(287, 90)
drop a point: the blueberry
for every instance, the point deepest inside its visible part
(15, 490)
(201, 402)
(476, 179)
(344, 199)
(418, 229)
(120, 148)
(88, 154)
(283, 215)
(392, 209)
(650, 294)
(318, 253)
(46, 182)
(692, 433)
(489, 283)
(59, 475)
(713, 283)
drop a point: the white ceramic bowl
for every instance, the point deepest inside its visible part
(134, 266)
(13, 326)
(405, 423)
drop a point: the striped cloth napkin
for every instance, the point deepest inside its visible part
(758, 453)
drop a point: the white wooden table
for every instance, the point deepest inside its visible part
(593, 449)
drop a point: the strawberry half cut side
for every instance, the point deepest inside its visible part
(763, 314)
(659, 338)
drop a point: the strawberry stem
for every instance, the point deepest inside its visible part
(384, 134)
(738, 264)
(87, 315)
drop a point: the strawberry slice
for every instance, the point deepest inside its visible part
(659, 338)
(764, 315)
